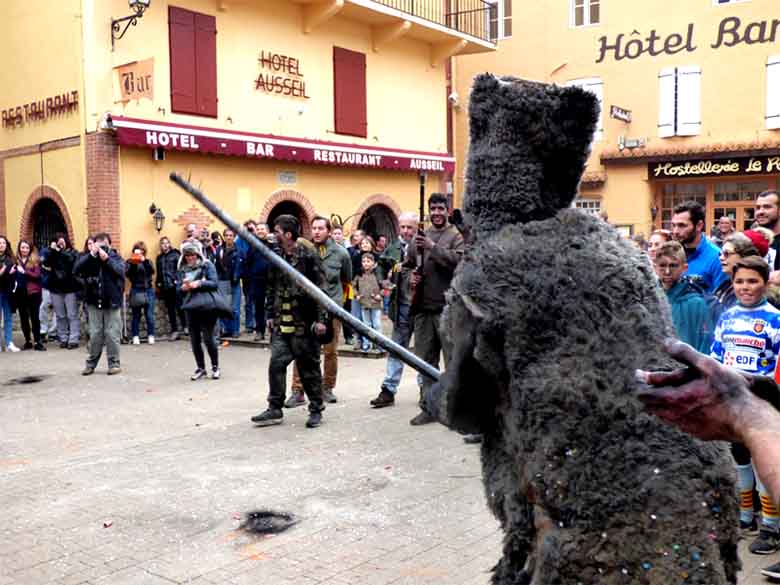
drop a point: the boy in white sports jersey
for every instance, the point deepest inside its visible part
(747, 338)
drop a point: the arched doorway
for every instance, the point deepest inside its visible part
(47, 220)
(379, 219)
(289, 208)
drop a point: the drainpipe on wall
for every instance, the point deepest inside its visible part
(447, 177)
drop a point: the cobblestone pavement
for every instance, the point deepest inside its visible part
(141, 478)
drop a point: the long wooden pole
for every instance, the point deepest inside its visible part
(308, 286)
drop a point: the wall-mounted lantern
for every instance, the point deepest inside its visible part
(137, 6)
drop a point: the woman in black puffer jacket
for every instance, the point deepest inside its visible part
(140, 273)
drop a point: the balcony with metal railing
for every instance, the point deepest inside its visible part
(466, 16)
(450, 27)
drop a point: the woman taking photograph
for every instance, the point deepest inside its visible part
(28, 293)
(197, 281)
(140, 273)
(7, 281)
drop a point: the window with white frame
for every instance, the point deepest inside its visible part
(585, 12)
(595, 86)
(589, 206)
(679, 107)
(773, 92)
(499, 19)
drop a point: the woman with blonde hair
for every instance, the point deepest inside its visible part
(28, 293)
(657, 238)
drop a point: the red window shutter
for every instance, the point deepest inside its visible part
(349, 92)
(206, 63)
(181, 29)
(193, 46)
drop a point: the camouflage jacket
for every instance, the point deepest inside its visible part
(284, 296)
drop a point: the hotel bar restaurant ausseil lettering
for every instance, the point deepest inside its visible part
(690, 95)
(283, 106)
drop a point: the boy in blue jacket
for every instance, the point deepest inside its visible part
(690, 314)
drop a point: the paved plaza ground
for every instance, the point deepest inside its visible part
(141, 479)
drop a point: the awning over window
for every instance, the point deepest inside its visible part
(151, 134)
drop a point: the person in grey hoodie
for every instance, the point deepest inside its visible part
(197, 276)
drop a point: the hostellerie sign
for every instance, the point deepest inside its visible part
(754, 165)
(40, 110)
(281, 75)
(150, 134)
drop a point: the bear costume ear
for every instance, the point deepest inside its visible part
(529, 143)
(465, 396)
(571, 123)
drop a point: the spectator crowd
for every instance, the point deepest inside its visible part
(723, 292)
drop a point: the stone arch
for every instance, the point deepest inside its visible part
(27, 228)
(373, 200)
(307, 211)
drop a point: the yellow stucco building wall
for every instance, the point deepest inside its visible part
(101, 183)
(546, 47)
(40, 42)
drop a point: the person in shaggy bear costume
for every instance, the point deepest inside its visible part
(587, 486)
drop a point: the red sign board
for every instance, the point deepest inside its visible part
(150, 134)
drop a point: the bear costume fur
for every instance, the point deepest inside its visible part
(550, 314)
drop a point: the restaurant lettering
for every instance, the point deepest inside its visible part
(281, 75)
(730, 33)
(348, 158)
(40, 110)
(715, 168)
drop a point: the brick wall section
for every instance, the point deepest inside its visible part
(103, 210)
(3, 218)
(307, 209)
(378, 199)
(194, 215)
(45, 192)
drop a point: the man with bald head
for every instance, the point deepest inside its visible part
(400, 300)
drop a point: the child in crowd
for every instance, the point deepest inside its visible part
(690, 313)
(368, 292)
(748, 338)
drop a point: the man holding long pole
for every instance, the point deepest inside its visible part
(296, 322)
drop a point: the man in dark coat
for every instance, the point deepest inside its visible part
(167, 263)
(103, 271)
(64, 288)
(296, 321)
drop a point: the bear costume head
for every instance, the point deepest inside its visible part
(529, 143)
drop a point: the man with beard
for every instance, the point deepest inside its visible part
(338, 275)
(703, 256)
(768, 216)
(440, 248)
(296, 322)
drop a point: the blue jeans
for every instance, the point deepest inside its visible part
(372, 318)
(232, 293)
(249, 303)
(8, 318)
(357, 312)
(402, 333)
(148, 310)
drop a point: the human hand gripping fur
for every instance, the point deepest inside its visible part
(716, 403)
